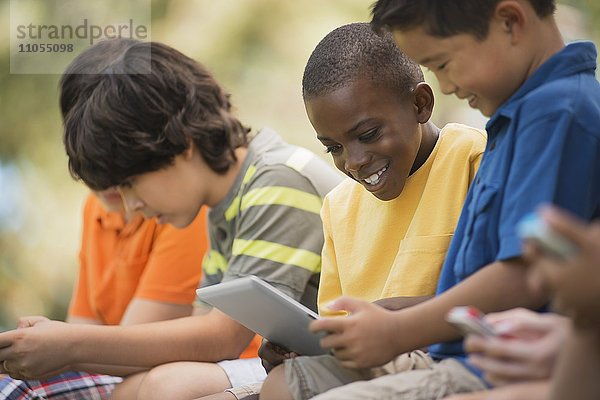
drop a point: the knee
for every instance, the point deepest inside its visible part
(154, 385)
(274, 387)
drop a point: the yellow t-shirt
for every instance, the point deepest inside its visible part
(377, 249)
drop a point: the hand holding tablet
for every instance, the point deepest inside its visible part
(266, 311)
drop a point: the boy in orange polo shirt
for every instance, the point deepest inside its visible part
(131, 271)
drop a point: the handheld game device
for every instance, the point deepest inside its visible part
(469, 320)
(532, 227)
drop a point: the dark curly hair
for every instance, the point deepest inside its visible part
(130, 107)
(444, 18)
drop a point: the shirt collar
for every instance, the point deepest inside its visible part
(116, 222)
(572, 59)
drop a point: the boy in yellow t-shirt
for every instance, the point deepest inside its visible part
(388, 227)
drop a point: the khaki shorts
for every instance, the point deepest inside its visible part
(246, 392)
(410, 376)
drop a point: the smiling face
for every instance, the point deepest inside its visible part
(371, 132)
(484, 72)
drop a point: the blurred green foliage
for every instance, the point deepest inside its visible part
(257, 49)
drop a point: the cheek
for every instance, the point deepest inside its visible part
(404, 151)
(340, 163)
(484, 78)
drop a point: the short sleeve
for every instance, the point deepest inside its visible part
(329, 284)
(278, 232)
(555, 161)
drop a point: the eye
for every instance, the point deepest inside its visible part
(371, 135)
(333, 149)
(128, 184)
(441, 66)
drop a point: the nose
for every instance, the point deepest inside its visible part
(446, 86)
(131, 202)
(355, 159)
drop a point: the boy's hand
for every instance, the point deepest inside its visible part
(28, 322)
(36, 352)
(575, 281)
(363, 338)
(525, 349)
(273, 355)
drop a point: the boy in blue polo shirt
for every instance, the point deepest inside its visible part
(509, 60)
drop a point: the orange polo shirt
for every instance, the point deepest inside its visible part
(119, 261)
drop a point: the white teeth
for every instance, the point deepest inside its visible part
(374, 179)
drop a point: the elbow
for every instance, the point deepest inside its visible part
(237, 343)
(225, 345)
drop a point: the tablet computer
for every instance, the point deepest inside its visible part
(267, 311)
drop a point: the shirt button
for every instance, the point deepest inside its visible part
(477, 181)
(492, 146)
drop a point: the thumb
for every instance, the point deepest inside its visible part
(350, 304)
(565, 223)
(27, 322)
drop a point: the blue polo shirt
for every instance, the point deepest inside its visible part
(543, 147)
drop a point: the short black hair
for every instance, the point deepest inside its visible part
(444, 18)
(130, 107)
(356, 51)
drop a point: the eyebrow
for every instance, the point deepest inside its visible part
(354, 128)
(429, 59)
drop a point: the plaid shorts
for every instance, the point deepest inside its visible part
(67, 386)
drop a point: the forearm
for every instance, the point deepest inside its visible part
(578, 367)
(212, 337)
(498, 286)
(114, 370)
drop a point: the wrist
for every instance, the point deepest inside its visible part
(73, 344)
(399, 339)
(79, 342)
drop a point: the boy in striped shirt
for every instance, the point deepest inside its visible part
(154, 123)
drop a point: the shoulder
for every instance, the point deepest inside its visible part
(275, 174)
(575, 98)
(278, 163)
(346, 188)
(459, 139)
(345, 195)
(92, 209)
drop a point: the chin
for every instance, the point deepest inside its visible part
(488, 111)
(389, 193)
(180, 224)
(386, 196)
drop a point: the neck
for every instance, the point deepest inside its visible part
(128, 216)
(227, 179)
(429, 137)
(548, 41)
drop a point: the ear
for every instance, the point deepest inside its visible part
(423, 102)
(512, 18)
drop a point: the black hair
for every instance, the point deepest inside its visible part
(130, 107)
(356, 51)
(444, 18)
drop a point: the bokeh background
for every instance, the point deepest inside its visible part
(257, 49)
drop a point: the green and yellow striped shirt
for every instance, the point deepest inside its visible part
(268, 225)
